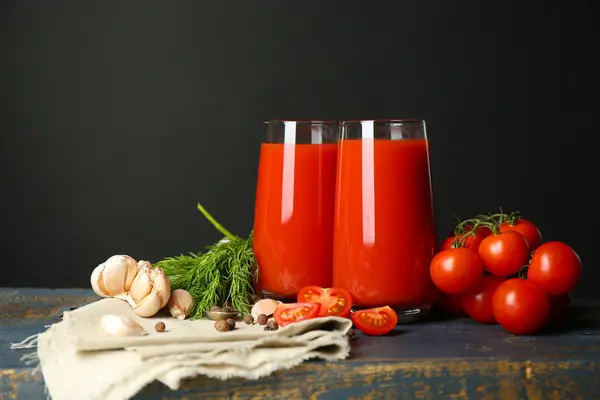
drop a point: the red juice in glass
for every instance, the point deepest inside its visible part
(384, 220)
(293, 219)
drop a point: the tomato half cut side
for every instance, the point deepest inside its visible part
(375, 321)
(334, 301)
(285, 314)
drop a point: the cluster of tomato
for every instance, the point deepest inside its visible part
(497, 270)
(315, 301)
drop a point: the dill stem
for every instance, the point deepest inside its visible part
(217, 225)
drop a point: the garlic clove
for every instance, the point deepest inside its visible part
(161, 285)
(149, 305)
(118, 274)
(264, 306)
(180, 303)
(141, 286)
(97, 281)
(117, 325)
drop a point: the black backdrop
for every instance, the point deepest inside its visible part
(116, 117)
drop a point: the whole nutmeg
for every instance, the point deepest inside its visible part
(248, 319)
(262, 319)
(231, 323)
(222, 325)
(160, 327)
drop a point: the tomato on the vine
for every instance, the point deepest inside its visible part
(334, 301)
(478, 303)
(470, 241)
(447, 243)
(375, 321)
(286, 313)
(520, 307)
(504, 254)
(555, 268)
(450, 304)
(525, 228)
(456, 270)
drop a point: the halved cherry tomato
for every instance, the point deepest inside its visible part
(286, 313)
(504, 254)
(527, 229)
(334, 301)
(555, 268)
(456, 270)
(375, 321)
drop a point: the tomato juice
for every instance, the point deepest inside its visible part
(384, 236)
(293, 221)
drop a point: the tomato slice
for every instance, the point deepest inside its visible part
(375, 321)
(334, 301)
(285, 314)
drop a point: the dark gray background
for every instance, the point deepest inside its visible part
(116, 117)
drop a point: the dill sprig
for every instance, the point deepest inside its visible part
(223, 274)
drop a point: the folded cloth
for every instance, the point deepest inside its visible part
(80, 361)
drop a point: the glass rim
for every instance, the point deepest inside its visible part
(385, 121)
(303, 121)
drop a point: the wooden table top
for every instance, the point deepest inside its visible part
(433, 359)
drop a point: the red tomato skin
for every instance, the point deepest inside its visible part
(471, 242)
(456, 271)
(447, 243)
(504, 254)
(527, 229)
(478, 303)
(450, 304)
(392, 321)
(520, 307)
(555, 268)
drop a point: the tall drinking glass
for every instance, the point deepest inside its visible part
(293, 219)
(384, 235)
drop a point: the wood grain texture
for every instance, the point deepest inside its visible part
(455, 359)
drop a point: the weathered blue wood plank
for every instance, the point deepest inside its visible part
(428, 360)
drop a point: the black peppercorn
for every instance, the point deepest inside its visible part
(222, 325)
(160, 327)
(272, 324)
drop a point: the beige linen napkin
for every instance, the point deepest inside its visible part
(79, 361)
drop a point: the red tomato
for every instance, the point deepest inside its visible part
(520, 307)
(334, 301)
(450, 304)
(456, 270)
(478, 303)
(559, 307)
(375, 321)
(287, 313)
(504, 254)
(555, 268)
(527, 229)
(447, 243)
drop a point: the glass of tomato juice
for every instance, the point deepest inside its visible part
(384, 229)
(293, 218)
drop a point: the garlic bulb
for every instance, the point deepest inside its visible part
(117, 325)
(180, 304)
(145, 288)
(150, 290)
(114, 276)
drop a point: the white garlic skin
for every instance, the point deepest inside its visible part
(114, 276)
(180, 304)
(150, 291)
(116, 325)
